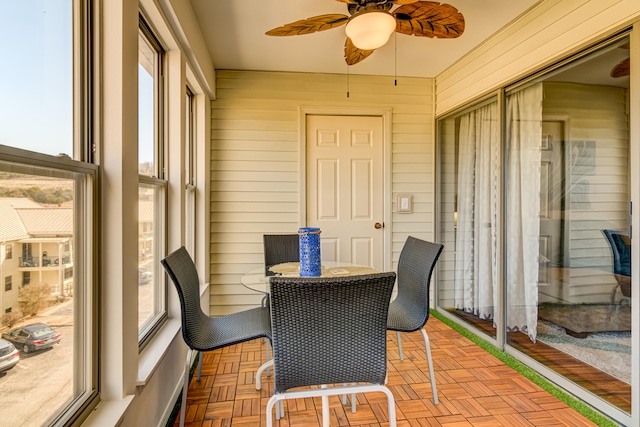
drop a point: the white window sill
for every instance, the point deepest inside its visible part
(108, 412)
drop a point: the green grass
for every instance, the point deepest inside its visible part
(530, 374)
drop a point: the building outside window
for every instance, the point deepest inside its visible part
(8, 284)
(8, 251)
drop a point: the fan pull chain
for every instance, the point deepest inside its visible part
(347, 81)
(395, 58)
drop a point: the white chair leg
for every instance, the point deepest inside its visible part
(399, 345)
(432, 377)
(259, 372)
(270, 403)
(325, 408)
(391, 403)
(353, 399)
(200, 357)
(185, 388)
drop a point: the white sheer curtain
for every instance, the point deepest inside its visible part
(524, 134)
(478, 174)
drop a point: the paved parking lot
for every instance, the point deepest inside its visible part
(41, 381)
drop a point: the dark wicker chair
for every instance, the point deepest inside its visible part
(329, 331)
(409, 311)
(201, 332)
(621, 252)
(279, 248)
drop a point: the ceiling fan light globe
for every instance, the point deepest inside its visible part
(370, 29)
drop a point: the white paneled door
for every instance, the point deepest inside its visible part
(345, 187)
(552, 193)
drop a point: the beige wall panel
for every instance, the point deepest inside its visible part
(255, 171)
(551, 30)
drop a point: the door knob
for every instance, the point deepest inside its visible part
(378, 226)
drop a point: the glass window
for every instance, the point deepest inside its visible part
(8, 283)
(46, 295)
(568, 139)
(470, 156)
(47, 197)
(37, 38)
(151, 186)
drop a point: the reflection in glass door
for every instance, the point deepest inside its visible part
(583, 310)
(536, 224)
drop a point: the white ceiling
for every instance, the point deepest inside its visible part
(234, 32)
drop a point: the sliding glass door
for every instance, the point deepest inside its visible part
(535, 217)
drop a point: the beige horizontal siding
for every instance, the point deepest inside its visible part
(255, 150)
(550, 31)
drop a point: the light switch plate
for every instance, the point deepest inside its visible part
(405, 203)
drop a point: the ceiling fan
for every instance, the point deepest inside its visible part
(624, 67)
(371, 23)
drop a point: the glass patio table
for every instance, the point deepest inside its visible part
(258, 281)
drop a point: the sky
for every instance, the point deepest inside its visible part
(36, 79)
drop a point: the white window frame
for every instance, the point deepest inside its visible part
(159, 185)
(190, 173)
(86, 314)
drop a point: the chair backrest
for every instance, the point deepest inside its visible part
(329, 330)
(621, 250)
(184, 275)
(415, 267)
(279, 248)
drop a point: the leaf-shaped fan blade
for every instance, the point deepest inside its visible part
(353, 55)
(429, 19)
(404, 1)
(309, 25)
(622, 69)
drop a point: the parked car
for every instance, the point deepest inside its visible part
(9, 356)
(33, 337)
(144, 276)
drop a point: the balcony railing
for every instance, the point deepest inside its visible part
(47, 261)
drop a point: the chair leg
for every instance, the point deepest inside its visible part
(200, 357)
(185, 388)
(399, 345)
(432, 377)
(259, 372)
(272, 400)
(325, 408)
(613, 302)
(391, 404)
(325, 392)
